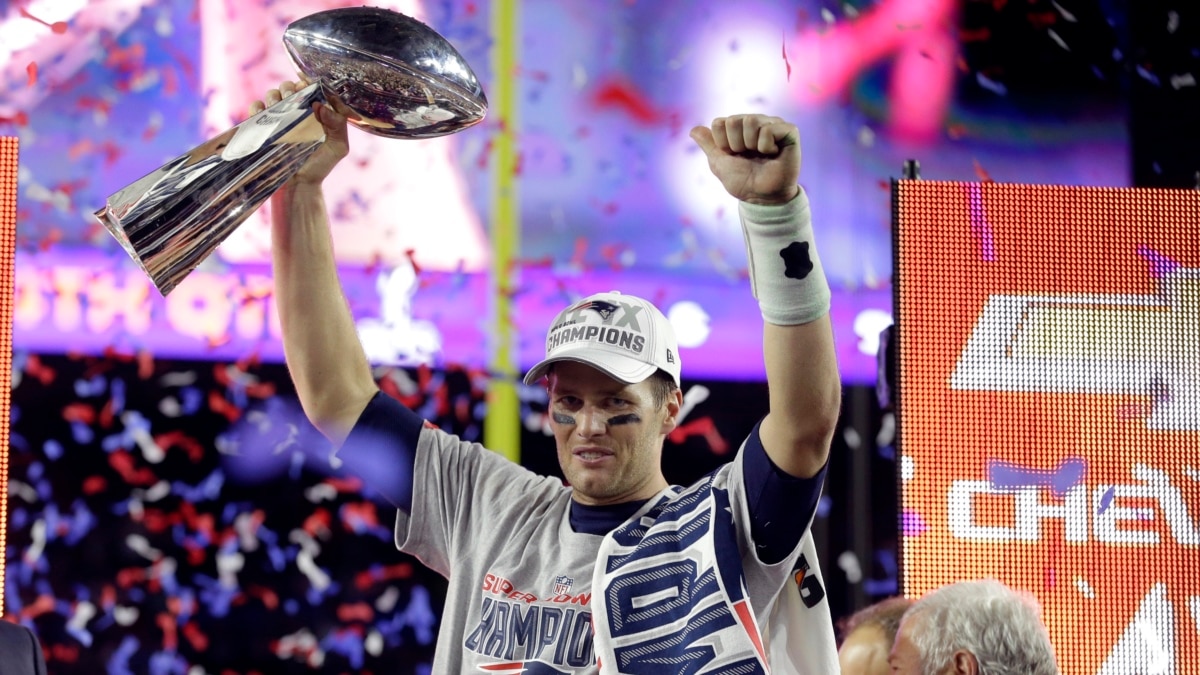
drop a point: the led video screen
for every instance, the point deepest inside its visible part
(1049, 408)
(8, 245)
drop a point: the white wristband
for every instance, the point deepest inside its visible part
(785, 270)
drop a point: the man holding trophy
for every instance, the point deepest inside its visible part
(736, 590)
(617, 572)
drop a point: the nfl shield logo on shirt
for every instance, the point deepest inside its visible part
(562, 584)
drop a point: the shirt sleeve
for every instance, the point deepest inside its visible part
(464, 498)
(781, 506)
(382, 449)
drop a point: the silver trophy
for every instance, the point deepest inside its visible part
(392, 75)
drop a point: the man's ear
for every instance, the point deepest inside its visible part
(965, 663)
(674, 404)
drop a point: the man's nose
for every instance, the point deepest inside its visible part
(591, 422)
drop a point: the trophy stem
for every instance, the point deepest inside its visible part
(171, 220)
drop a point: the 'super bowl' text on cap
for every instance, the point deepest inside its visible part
(624, 336)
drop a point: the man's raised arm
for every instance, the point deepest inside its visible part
(757, 159)
(324, 356)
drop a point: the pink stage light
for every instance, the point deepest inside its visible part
(919, 34)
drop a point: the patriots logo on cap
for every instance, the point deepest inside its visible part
(604, 309)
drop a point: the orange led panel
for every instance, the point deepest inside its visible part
(1049, 408)
(8, 251)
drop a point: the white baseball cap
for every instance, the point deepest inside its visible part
(624, 336)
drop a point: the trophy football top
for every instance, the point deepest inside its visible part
(399, 77)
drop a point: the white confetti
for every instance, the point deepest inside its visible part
(374, 643)
(170, 407)
(23, 490)
(887, 431)
(37, 542)
(125, 616)
(141, 546)
(853, 440)
(163, 25)
(1057, 39)
(990, 84)
(320, 492)
(1181, 81)
(181, 379)
(694, 396)
(1172, 22)
(228, 565)
(1067, 16)
(848, 562)
(84, 611)
(827, 15)
(246, 530)
(386, 602)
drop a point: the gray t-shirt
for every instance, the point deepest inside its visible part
(521, 579)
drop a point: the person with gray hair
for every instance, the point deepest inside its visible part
(979, 627)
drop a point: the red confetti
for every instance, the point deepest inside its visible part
(318, 522)
(52, 237)
(106, 414)
(145, 361)
(195, 636)
(348, 484)
(122, 462)
(20, 119)
(366, 579)
(786, 62)
(79, 149)
(94, 485)
(38, 370)
(581, 246)
(411, 254)
(58, 27)
(32, 71)
(218, 341)
(623, 96)
(981, 172)
(975, 35)
(706, 429)
(79, 412)
(220, 405)
(359, 611)
(167, 625)
(178, 439)
(482, 161)
(269, 598)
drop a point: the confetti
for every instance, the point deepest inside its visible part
(211, 549)
(1011, 476)
(58, 27)
(621, 95)
(787, 63)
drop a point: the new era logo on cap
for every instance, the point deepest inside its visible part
(623, 335)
